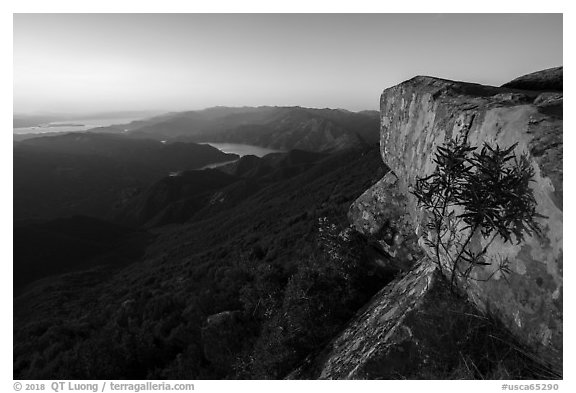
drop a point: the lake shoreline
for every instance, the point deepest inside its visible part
(242, 149)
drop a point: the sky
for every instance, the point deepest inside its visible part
(88, 63)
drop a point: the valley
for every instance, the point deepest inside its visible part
(257, 232)
(96, 210)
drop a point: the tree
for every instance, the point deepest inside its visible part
(471, 192)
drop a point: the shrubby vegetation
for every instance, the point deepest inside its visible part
(258, 258)
(329, 286)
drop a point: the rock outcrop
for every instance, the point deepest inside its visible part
(222, 339)
(416, 324)
(380, 215)
(421, 114)
(414, 328)
(379, 343)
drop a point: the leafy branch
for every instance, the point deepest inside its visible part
(490, 190)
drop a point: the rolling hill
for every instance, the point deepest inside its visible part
(89, 173)
(282, 128)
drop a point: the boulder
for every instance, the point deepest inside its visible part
(415, 328)
(421, 114)
(222, 338)
(380, 215)
(550, 79)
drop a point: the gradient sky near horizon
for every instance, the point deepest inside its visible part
(80, 63)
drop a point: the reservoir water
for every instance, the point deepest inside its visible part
(240, 149)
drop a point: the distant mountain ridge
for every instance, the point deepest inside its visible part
(282, 128)
(88, 173)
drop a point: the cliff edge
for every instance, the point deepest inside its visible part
(421, 114)
(389, 338)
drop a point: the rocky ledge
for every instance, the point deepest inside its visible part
(397, 334)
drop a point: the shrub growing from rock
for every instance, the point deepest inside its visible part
(476, 191)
